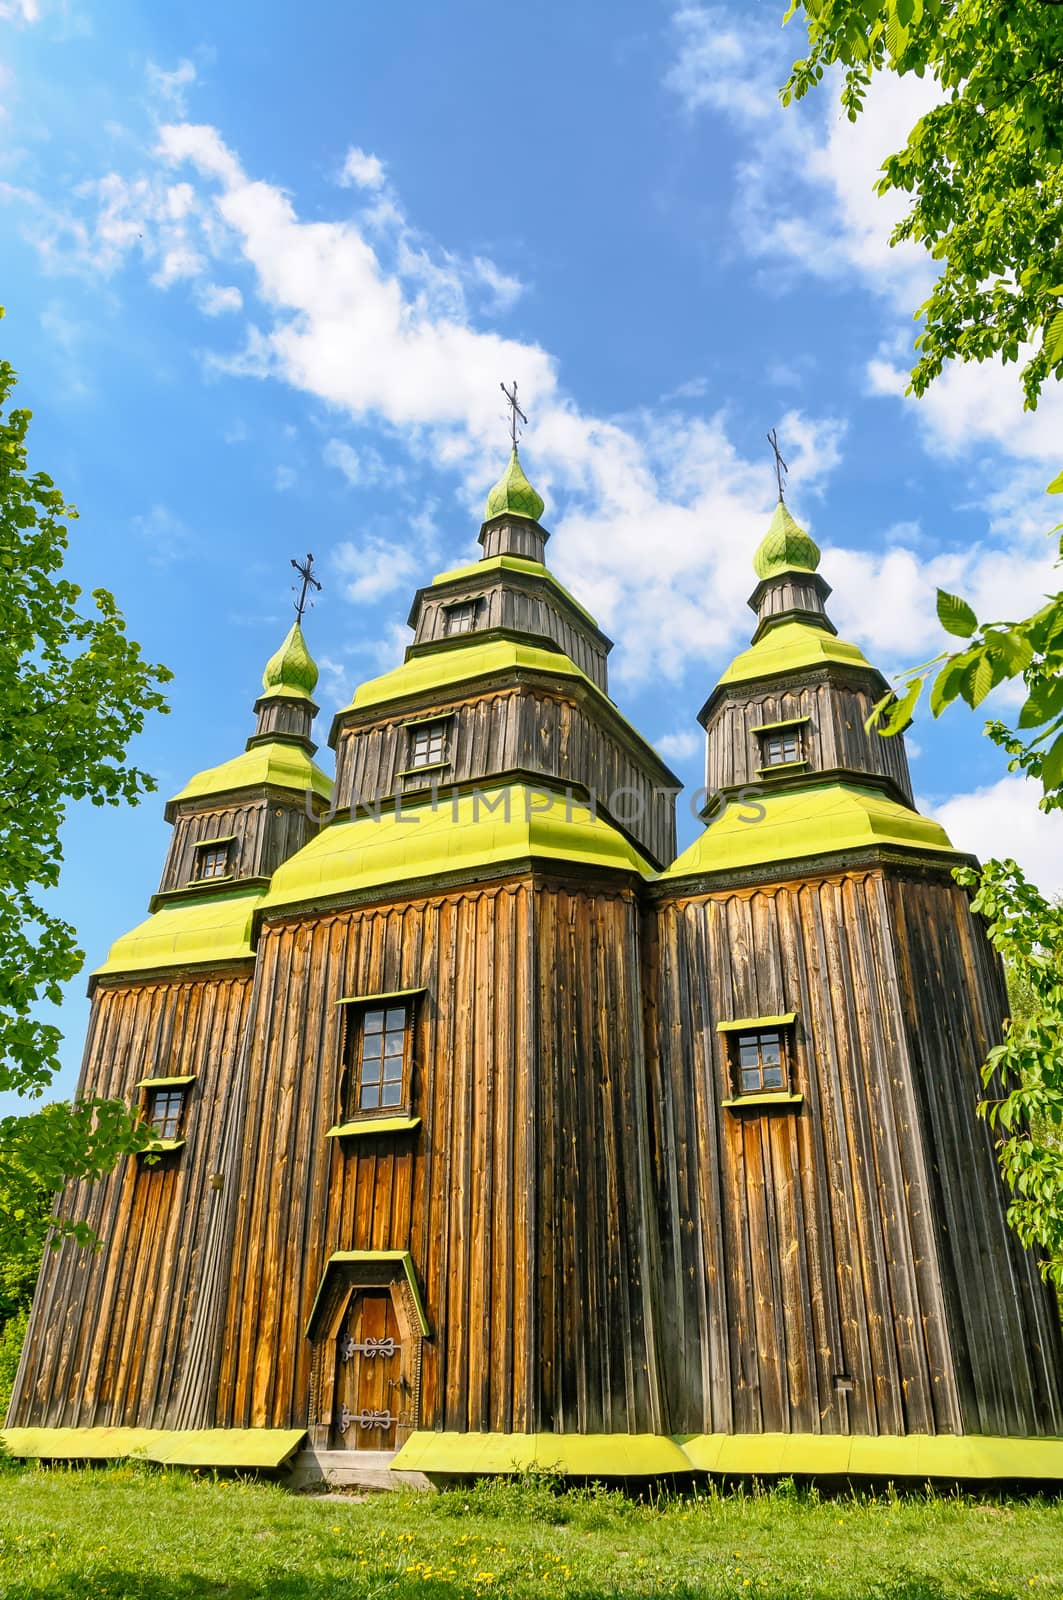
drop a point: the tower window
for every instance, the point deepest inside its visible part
(428, 744)
(460, 618)
(779, 749)
(211, 859)
(165, 1112)
(378, 1057)
(760, 1060)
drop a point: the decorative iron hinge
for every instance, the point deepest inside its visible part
(367, 1419)
(368, 1348)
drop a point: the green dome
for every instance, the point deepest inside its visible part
(785, 544)
(513, 495)
(292, 670)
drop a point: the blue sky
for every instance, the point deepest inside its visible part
(265, 266)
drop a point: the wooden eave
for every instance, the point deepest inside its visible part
(838, 864)
(819, 672)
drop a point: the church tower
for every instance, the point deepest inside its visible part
(489, 1132)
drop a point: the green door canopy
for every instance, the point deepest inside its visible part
(822, 819)
(276, 765)
(187, 933)
(458, 834)
(261, 1448)
(790, 647)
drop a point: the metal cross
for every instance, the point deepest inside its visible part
(514, 412)
(780, 464)
(305, 569)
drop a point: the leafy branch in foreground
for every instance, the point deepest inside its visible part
(74, 690)
(1027, 1069)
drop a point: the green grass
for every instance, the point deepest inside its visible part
(133, 1533)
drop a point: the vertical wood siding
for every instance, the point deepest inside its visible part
(512, 602)
(265, 832)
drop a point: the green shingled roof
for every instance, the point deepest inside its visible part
(278, 764)
(513, 495)
(291, 672)
(187, 933)
(789, 647)
(785, 545)
(487, 828)
(818, 820)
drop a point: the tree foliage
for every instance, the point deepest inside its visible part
(984, 167)
(74, 690)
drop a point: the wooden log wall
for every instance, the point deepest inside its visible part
(521, 729)
(834, 733)
(462, 1193)
(109, 1327)
(791, 592)
(798, 1245)
(265, 831)
(1005, 1323)
(513, 601)
(280, 716)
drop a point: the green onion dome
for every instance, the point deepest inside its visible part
(785, 545)
(292, 671)
(514, 496)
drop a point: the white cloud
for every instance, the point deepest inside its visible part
(215, 299)
(170, 86)
(506, 289)
(1003, 820)
(164, 536)
(682, 745)
(373, 568)
(285, 478)
(22, 11)
(362, 170)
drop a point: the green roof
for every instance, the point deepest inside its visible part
(786, 545)
(291, 672)
(483, 829)
(471, 659)
(187, 933)
(276, 763)
(513, 495)
(172, 1447)
(789, 647)
(821, 819)
(536, 569)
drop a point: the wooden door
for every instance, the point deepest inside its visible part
(369, 1387)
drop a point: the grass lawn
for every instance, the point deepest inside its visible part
(131, 1531)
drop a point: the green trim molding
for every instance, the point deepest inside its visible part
(165, 1083)
(952, 1457)
(787, 722)
(162, 1147)
(262, 1448)
(375, 999)
(792, 647)
(779, 1098)
(401, 1258)
(747, 1024)
(816, 819)
(363, 1127)
(274, 764)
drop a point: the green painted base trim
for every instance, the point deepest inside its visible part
(376, 999)
(617, 1455)
(951, 1456)
(782, 769)
(165, 1083)
(402, 1258)
(787, 722)
(162, 1147)
(606, 1455)
(742, 1023)
(771, 1097)
(367, 1126)
(180, 1447)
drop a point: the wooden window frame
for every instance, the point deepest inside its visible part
(153, 1096)
(419, 730)
(222, 848)
(777, 1034)
(472, 607)
(353, 1034)
(782, 749)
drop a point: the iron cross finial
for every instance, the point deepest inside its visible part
(305, 569)
(514, 412)
(780, 464)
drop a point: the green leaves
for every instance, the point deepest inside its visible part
(955, 615)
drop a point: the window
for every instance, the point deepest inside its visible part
(759, 1060)
(460, 618)
(778, 749)
(379, 1037)
(211, 860)
(165, 1111)
(428, 744)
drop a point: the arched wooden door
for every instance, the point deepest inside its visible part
(368, 1408)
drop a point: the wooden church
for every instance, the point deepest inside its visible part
(488, 1132)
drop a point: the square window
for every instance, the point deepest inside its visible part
(460, 618)
(428, 744)
(760, 1060)
(211, 860)
(779, 749)
(378, 1052)
(165, 1112)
